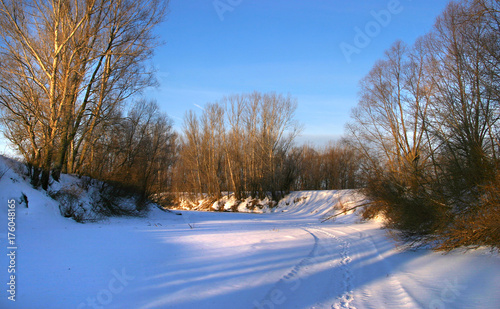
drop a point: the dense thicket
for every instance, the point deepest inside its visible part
(427, 126)
(135, 150)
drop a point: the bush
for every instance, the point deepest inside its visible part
(115, 199)
(443, 219)
(90, 200)
(70, 205)
(477, 225)
(165, 200)
(412, 210)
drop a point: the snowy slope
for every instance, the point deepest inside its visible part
(282, 259)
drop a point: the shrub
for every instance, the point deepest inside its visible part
(116, 199)
(418, 214)
(70, 205)
(478, 224)
(90, 200)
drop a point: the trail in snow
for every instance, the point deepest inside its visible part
(346, 298)
(394, 295)
(290, 283)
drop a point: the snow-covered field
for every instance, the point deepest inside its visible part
(283, 259)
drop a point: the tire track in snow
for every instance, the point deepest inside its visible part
(338, 249)
(347, 297)
(289, 283)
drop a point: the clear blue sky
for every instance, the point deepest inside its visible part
(217, 48)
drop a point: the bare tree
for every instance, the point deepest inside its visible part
(427, 124)
(212, 122)
(466, 111)
(67, 64)
(391, 116)
(234, 144)
(333, 167)
(190, 163)
(391, 130)
(138, 150)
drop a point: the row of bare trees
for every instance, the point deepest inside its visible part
(427, 126)
(245, 144)
(240, 144)
(136, 150)
(67, 70)
(335, 166)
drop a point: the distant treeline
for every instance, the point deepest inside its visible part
(245, 144)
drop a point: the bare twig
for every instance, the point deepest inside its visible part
(345, 211)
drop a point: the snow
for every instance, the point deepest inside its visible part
(284, 258)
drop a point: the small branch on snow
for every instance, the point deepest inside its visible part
(345, 211)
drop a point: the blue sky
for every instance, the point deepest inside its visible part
(217, 48)
(214, 48)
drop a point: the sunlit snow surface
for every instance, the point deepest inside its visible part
(283, 259)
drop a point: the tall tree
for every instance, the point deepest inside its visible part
(428, 125)
(67, 64)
